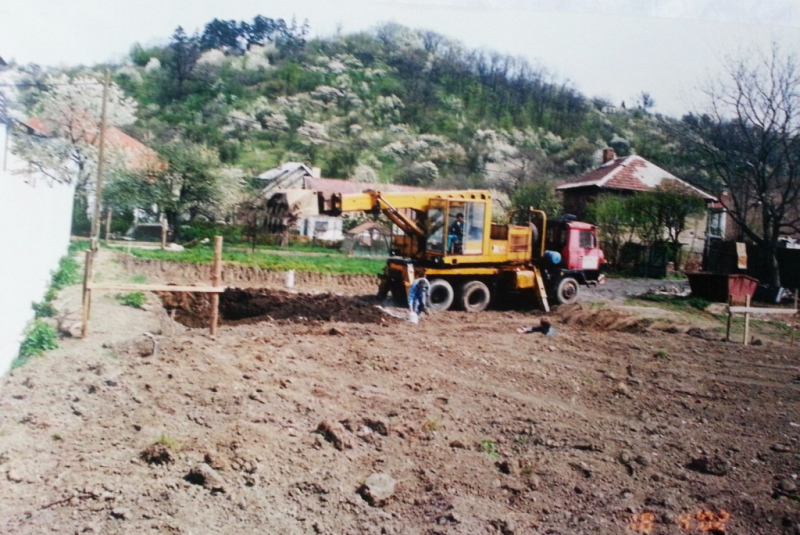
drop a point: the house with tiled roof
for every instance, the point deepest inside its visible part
(132, 153)
(298, 176)
(628, 175)
(622, 176)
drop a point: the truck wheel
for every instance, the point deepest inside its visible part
(475, 296)
(567, 291)
(442, 295)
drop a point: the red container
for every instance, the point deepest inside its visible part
(715, 287)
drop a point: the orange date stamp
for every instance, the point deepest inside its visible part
(701, 522)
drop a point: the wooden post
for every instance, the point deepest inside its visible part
(87, 293)
(108, 223)
(730, 318)
(794, 318)
(747, 322)
(216, 276)
(163, 232)
(98, 193)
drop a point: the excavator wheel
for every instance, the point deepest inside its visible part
(441, 296)
(475, 296)
(567, 291)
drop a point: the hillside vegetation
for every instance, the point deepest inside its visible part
(391, 105)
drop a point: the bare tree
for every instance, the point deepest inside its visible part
(749, 141)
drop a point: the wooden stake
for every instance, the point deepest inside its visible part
(108, 223)
(163, 232)
(747, 322)
(216, 276)
(87, 293)
(98, 194)
(730, 318)
(795, 318)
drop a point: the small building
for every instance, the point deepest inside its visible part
(626, 176)
(370, 238)
(298, 176)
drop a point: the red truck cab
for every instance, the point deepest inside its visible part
(579, 259)
(581, 250)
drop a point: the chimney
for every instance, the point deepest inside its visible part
(608, 155)
(316, 172)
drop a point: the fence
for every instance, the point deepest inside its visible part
(35, 216)
(722, 258)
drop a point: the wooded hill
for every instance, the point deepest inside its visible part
(391, 105)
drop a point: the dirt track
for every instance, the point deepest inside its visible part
(276, 426)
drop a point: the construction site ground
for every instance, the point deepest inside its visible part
(315, 412)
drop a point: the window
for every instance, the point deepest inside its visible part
(434, 230)
(556, 238)
(465, 236)
(715, 224)
(587, 239)
(473, 228)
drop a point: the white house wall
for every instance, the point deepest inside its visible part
(35, 216)
(333, 228)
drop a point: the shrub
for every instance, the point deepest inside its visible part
(134, 299)
(67, 273)
(40, 337)
(200, 230)
(45, 309)
(78, 246)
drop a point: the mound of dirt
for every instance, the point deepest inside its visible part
(603, 319)
(239, 306)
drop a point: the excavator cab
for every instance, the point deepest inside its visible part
(455, 228)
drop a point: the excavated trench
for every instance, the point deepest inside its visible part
(239, 306)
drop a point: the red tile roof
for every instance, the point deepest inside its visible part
(631, 173)
(136, 154)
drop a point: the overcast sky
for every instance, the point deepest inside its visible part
(608, 48)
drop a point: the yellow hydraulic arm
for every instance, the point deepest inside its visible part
(390, 203)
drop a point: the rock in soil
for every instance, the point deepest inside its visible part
(715, 466)
(157, 454)
(378, 488)
(335, 433)
(207, 477)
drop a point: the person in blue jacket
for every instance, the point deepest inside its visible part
(418, 295)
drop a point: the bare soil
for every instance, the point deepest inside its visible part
(319, 413)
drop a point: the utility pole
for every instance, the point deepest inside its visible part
(98, 194)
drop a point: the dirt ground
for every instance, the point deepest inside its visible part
(323, 414)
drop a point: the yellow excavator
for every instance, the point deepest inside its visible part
(450, 238)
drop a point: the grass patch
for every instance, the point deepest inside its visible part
(39, 337)
(45, 309)
(673, 302)
(133, 299)
(67, 273)
(78, 246)
(139, 279)
(165, 440)
(661, 353)
(432, 425)
(489, 448)
(330, 263)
